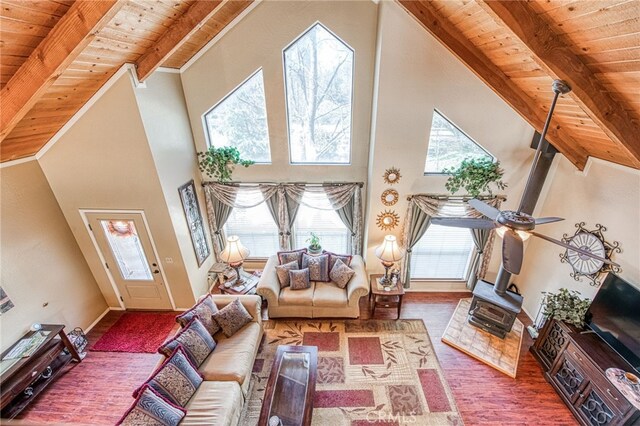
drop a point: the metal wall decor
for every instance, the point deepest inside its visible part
(194, 221)
(387, 220)
(391, 176)
(389, 197)
(594, 242)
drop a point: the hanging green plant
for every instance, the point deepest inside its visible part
(219, 163)
(475, 176)
(566, 306)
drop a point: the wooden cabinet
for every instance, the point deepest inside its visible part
(574, 362)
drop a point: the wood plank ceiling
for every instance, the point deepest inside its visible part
(517, 48)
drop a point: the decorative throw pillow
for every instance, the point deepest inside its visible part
(232, 318)
(176, 380)
(341, 274)
(288, 256)
(195, 340)
(299, 280)
(204, 309)
(149, 408)
(318, 267)
(346, 258)
(283, 272)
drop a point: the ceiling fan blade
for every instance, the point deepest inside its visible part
(479, 223)
(512, 252)
(543, 220)
(484, 208)
(572, 248)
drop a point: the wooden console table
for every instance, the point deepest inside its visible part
(574, 363)
(25, 379)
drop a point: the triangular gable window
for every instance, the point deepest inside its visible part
(448, 146)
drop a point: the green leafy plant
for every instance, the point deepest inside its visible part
(475, 176)
(314, 242)
(219, 163)
(566, 306)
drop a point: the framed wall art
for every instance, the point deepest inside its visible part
(191, 208)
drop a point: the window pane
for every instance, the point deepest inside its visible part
(326, 224)
(256, 229)
(127, 250)
(319, 73)
(448, 146)
(442, 253)
(240, 120)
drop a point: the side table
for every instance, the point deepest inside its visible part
(249, 287)
(382, 298)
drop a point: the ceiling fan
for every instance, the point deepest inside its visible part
(515, 227)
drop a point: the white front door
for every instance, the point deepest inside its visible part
(123, 240)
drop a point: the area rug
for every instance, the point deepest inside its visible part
(501, 354)
(137, 332)
(369, 372)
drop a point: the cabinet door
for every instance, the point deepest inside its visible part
(597, 409)
(568, 377)
(552, 344)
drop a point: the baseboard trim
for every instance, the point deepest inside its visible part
(93, 324)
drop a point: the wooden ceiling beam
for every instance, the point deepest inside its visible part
(556, 57)
(178, 33)
(66, 40)
(425, 13)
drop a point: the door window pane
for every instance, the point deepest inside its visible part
(443, 253)
(125, 245)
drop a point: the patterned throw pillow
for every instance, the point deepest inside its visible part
(204, 309)
(150, 408)
(299, 279)
(318, 267)
(346, 258)
(283, 272)
(195, 340)
(232, 318)
(341, 274)
(288, 256)
(176, 380)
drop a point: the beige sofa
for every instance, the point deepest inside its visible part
(321, 300)
(220, 398)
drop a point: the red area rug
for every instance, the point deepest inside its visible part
(137, 332)
(369, 373)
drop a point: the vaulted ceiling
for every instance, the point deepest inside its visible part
(57, 53)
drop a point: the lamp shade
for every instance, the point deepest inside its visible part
(234, 252)
(389, 250)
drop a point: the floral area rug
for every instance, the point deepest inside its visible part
(369, 373)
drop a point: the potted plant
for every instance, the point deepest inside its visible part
(219, 163)
(314, 244)
(565, 306)
(475, 176)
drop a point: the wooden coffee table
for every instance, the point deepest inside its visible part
(385, 299)
(288, 397)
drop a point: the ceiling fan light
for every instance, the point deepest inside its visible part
(523, 235)
(501, 231)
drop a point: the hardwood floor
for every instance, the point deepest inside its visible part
(98, 390)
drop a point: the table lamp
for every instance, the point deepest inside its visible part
(234, 254)
(388, 252)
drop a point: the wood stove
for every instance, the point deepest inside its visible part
(492, 311)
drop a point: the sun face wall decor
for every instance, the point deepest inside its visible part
(389, 197)
(387, 220)
(391, 176)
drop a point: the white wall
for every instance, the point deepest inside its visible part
(166, 123)
(417, 75)
(607, 194)
(258, 42)
(104, 162)
(43, 271)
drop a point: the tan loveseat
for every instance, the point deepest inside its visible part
(220, 398)
(321, 300)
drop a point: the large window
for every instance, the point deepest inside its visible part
(319, 78)
(326, 224)
(256, 229)
(448, 146)
(240, 120)
(443, 253)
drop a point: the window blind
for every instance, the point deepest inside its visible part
(326, 224)
(256, 229)
(443, 253)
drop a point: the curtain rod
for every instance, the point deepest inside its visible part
(457, 197)
(360, 184)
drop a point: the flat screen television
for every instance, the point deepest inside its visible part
(614, 315)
